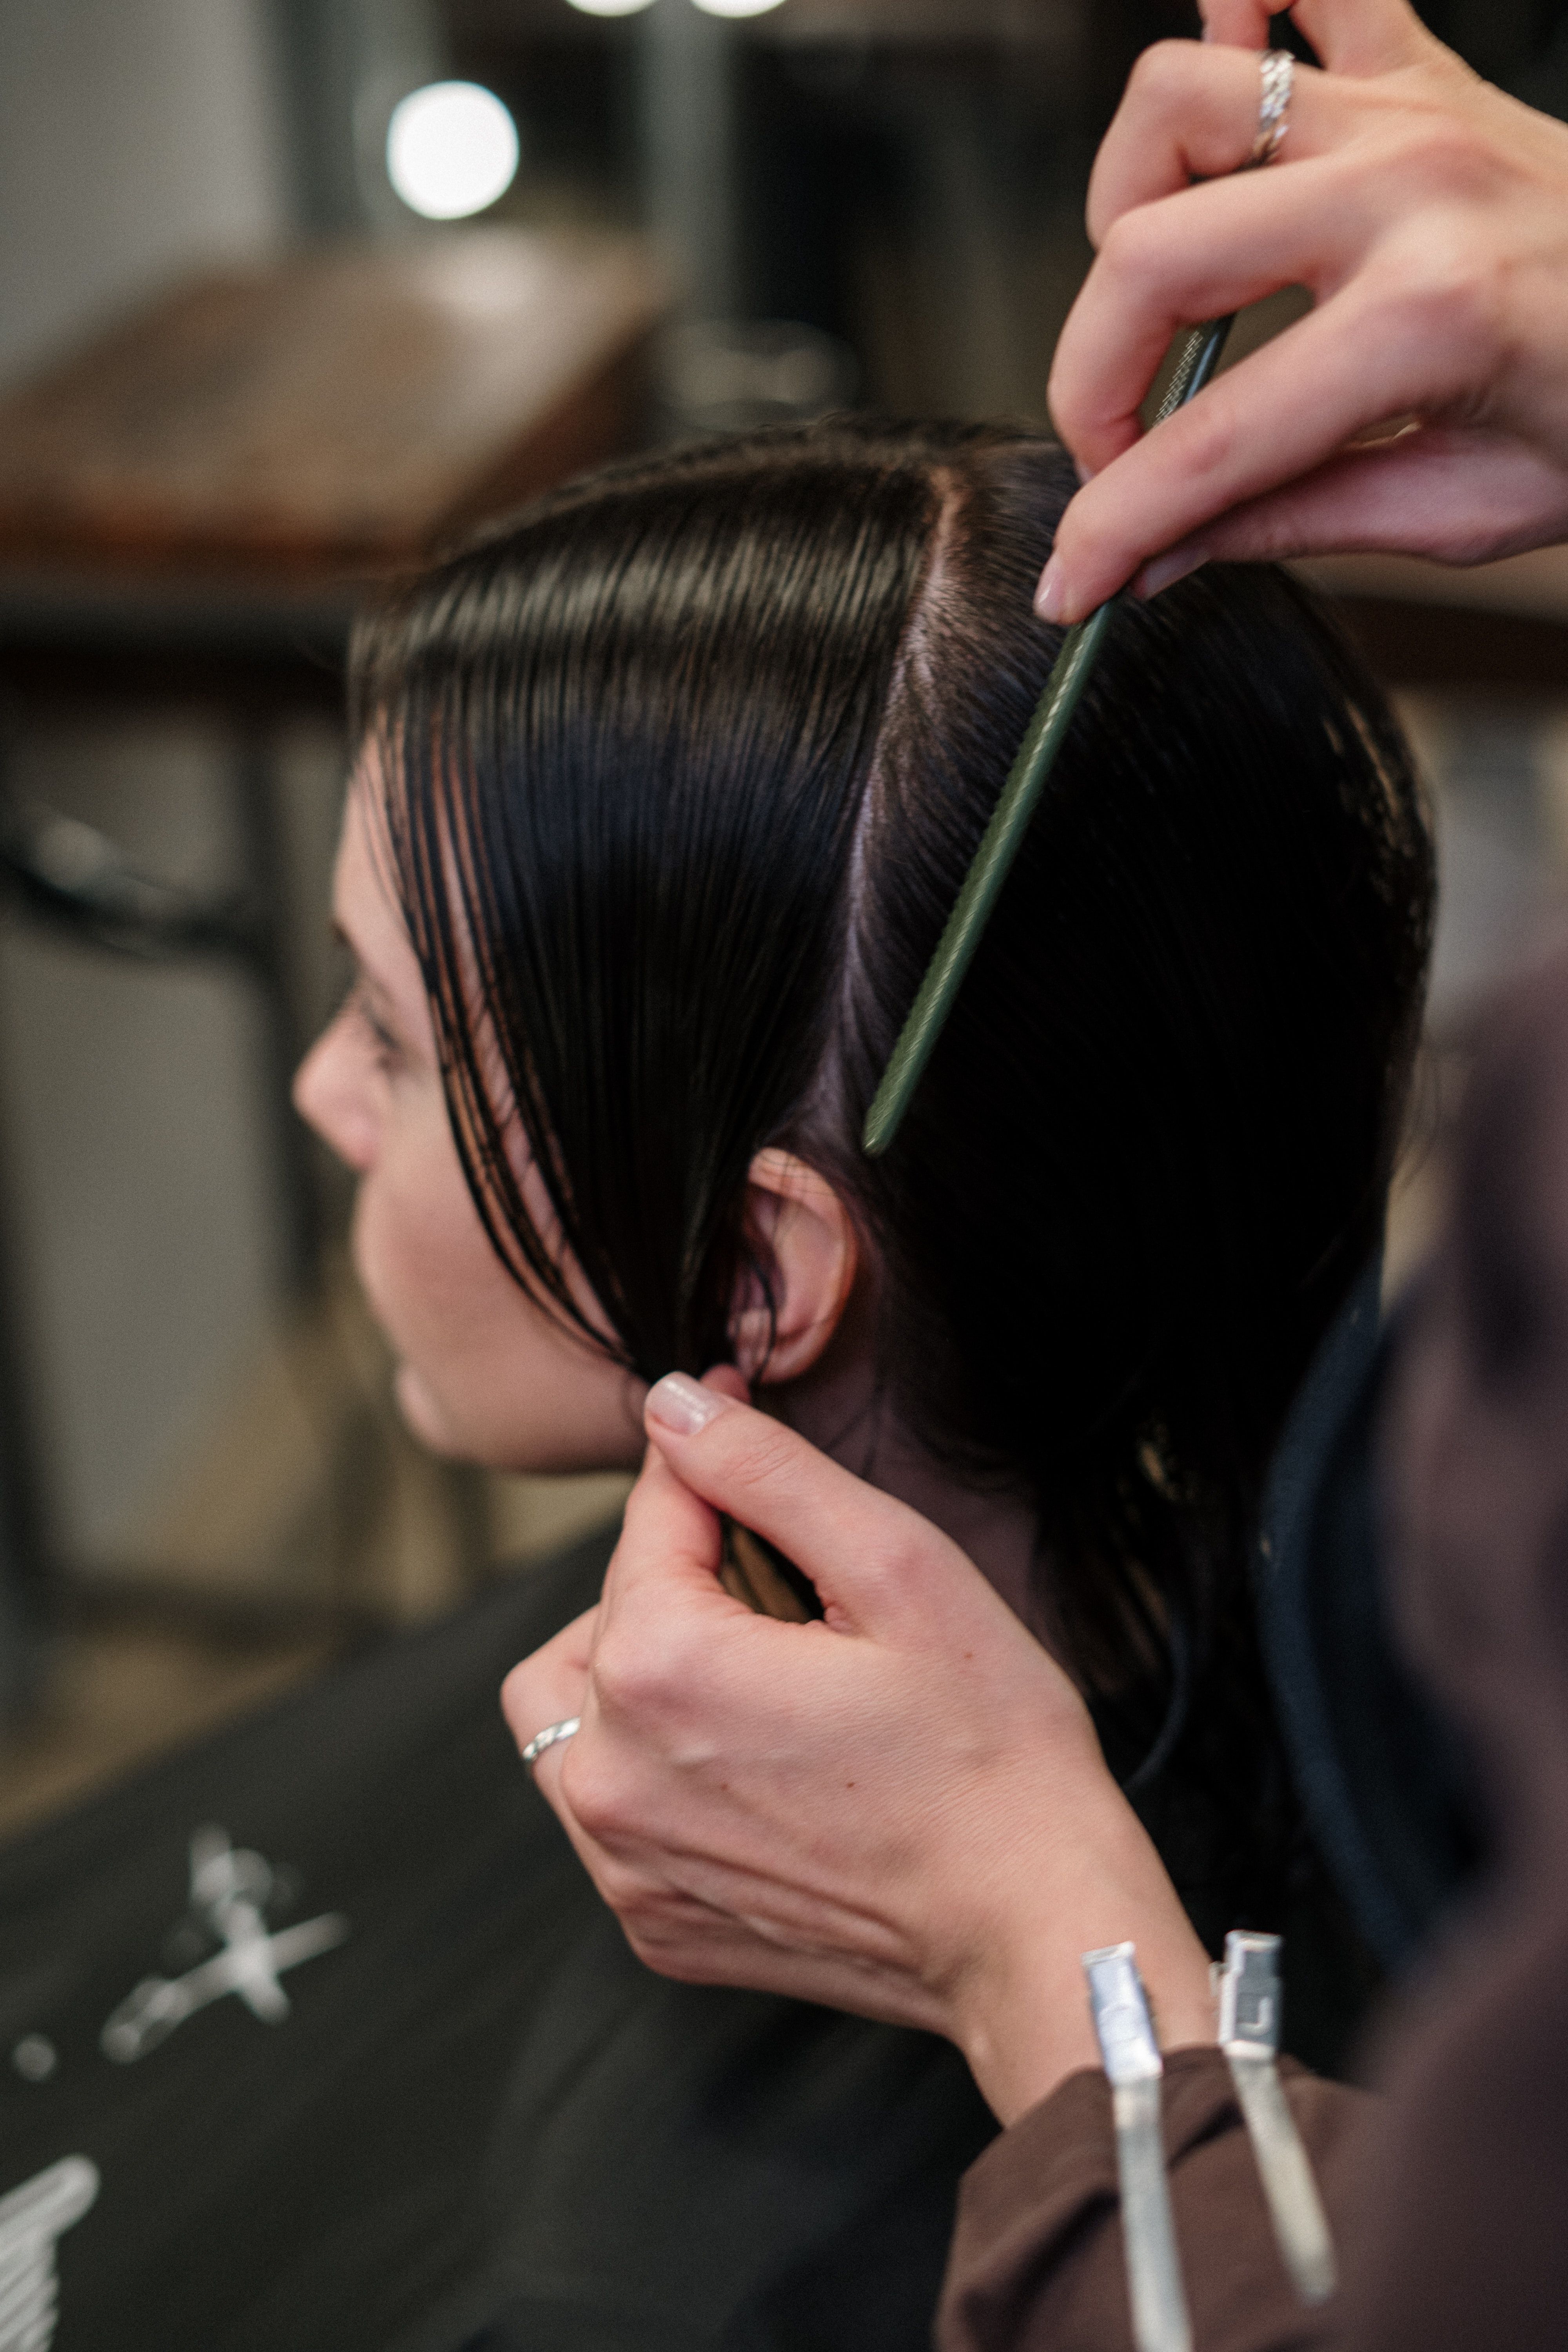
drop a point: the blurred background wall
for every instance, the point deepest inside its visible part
(906, 174)
(134, 140)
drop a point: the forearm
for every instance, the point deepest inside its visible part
(1037, 2261)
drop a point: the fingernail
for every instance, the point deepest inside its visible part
(1051, 594)
(1165, 569)
(683, 1405)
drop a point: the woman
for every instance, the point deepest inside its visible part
(664, 794)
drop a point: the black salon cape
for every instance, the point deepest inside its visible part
(483, 2122)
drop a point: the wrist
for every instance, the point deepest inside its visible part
(1019, 2009)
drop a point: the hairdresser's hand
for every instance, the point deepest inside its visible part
(1428, 215)
(902, 1812)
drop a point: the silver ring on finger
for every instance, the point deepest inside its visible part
(1278, 69)
(548, 1736)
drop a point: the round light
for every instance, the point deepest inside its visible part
(737, 7)
(451, 149)
(611, 7)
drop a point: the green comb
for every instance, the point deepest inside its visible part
(1070, 673)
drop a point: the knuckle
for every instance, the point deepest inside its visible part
(680, 1964)
(601, 1795)
(1121, 246)
(1209, 433)
(623, 1890)
(1062, 394)
(883, 1569)
(517, 1694)
(639, 1670)
(1133, 253)
(1440, 154)
(650, 1946)
(1071, 386)
(1450, 300)
(1161, 76)
(1263, 534)
(767, 1482)
(663, 1946)
(768, 1460)
(896, 1565)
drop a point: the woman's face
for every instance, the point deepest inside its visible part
(485, 1372)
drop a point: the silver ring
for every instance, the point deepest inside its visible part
(548, 1737)
(1273, 107)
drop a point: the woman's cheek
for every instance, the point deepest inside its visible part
(408, 1245)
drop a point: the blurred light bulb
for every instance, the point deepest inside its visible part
(737, 7)
(611, 7)
(451, 149)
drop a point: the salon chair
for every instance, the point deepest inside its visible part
(190, 509)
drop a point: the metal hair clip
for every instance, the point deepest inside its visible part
(1249, 2015)
(1125, 2032)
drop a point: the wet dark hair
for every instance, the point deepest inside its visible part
(683, 768)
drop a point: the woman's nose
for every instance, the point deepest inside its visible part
(331, 1096)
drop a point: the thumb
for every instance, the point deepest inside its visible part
(1236, 24)
(872, 1558)
(1359, 37)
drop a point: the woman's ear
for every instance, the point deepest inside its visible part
(803, 1238)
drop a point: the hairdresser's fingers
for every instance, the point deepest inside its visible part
(1191, 113)
(1201, 255)
(635, 1884)
(1350, 37)
(555, 1684)
(666, 1522)
(875, 1562)
(1457, 496)
(1368, 355)
(1382, 218)
(658, 1662)
(550, 1686)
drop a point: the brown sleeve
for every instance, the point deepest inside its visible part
(1037, 2261)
